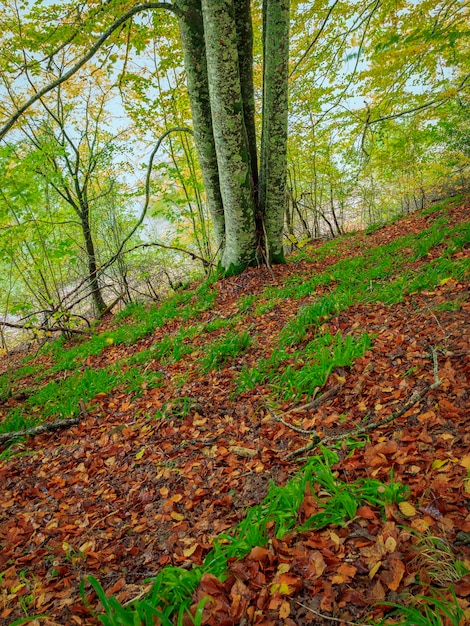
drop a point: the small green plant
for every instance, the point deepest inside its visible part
(293, 374)
(435, 555)
(26, 620)
(222, 322)
(373, 228)
(450, 305)
(434, 610)
(221, 351)
(245, 303)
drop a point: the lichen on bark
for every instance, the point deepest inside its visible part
(192, 39)
(272, 187)
(229, 133)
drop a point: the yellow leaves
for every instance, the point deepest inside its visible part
(421, 525)
(187, 552)
(407, 509)
(284, 610)
(283, 568)
(178, 517)
(438, 463)
(390, 544)
(87, 547)
(465, 461)
(444, 281)
(375, 569)
(140, 454)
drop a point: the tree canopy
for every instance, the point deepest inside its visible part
(275, 122)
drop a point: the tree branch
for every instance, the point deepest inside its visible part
(52, 427)
(194, 256)
(81, 62)
(415, 397)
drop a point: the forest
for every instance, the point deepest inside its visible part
(113, 187)
(234, 312)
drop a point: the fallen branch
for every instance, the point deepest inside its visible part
(416, 397)
(316, 402)
(46, 329)
(37, 430)
(329, 617)
(331, 393)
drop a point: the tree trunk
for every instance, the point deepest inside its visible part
(230, 135)
(217, 39)
(194, 50)
(272, 194)
(96, 295)
(244, 28)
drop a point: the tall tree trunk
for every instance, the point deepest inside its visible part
(96, 294)
(244, 28)
(194, 50)
(272, 187)
(230, 135)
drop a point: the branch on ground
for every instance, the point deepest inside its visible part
(370, 426)
(37, 430)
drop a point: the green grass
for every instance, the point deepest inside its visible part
(139, 322)
(294, 374)
(219, 352)
(245, 303)
(61, 399)
(8, 379)
(434, 610)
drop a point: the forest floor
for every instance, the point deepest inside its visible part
(194, 419)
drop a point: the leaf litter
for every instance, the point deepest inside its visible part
(148, 480)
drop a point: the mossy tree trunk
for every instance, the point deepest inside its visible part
(217, 40)
(272, 185)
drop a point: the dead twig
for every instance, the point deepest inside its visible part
(334, 619)
(311, 405)
(296, 429)
(415, 397)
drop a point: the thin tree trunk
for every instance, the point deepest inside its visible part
(96, 295)
(272, 187)
(230, 135)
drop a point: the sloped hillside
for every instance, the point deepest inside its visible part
(294, 440)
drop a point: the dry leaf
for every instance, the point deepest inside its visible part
(247, 453)
(407, 509)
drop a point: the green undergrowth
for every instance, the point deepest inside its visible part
(135, 322)
(433, 610)
(380, 275)
(278, 514)
(62, 399)
(219, 352)
(9, 379)
(292, 374)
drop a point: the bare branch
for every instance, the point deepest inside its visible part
(81, 62)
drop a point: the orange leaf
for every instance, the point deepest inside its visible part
(393, 576)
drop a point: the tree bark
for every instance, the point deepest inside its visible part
(230, 135)
(96, 295)
(194, 51)
(273, 169)
(244, 29)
